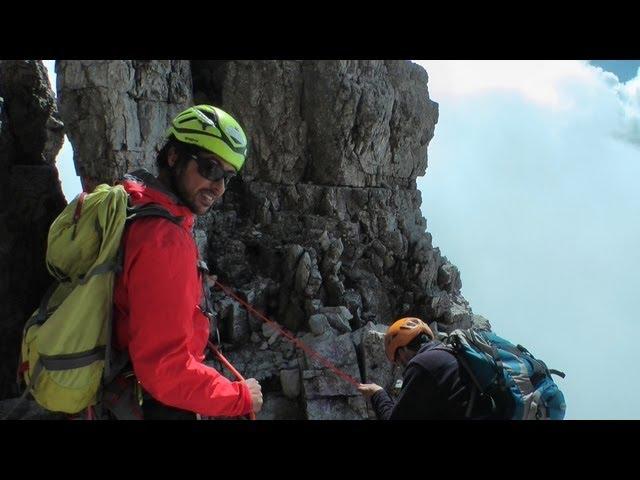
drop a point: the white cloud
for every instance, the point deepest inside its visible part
(542, 82)
(532, 194)
(629, 94)
(595, 95)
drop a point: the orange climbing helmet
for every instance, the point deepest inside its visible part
(402, 332)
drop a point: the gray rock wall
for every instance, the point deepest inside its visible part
(116, 112)
(322, 232)
(328, 213)
(31, 134)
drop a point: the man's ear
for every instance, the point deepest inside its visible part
(172, 157)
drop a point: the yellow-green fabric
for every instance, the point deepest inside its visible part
(82, 256)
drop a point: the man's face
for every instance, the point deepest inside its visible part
(200, 192)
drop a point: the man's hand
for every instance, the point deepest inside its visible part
(256, 394)
(368, 389)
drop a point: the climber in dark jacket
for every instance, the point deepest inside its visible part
(434, 385)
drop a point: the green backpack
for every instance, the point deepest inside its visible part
(65, 353)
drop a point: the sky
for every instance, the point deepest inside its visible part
(531, 191)
(624, 69)
(70, 181)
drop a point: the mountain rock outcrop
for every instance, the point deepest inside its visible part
(31, 134)
(322, 231)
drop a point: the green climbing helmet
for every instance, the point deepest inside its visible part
(213, 130)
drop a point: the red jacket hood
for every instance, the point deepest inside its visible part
(144, 188)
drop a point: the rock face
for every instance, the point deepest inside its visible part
(322, 232)
(337, 123)
(31, 134)
(327, 211)
(116, 112)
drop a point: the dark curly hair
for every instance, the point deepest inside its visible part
(184, 150)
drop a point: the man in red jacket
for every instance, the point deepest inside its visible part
(159, 312)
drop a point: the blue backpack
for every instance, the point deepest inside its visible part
(512, 378)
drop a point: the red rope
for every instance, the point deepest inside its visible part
(289, 336)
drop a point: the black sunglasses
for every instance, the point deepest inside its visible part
(212, 170)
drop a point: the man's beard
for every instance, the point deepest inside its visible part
(177, 173)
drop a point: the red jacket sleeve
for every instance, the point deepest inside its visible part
(165, 343)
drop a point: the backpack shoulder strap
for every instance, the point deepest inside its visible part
(151, 210)
(453, 346)
(135, 212)
(114, 361)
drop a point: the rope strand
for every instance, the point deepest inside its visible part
(289, 336)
